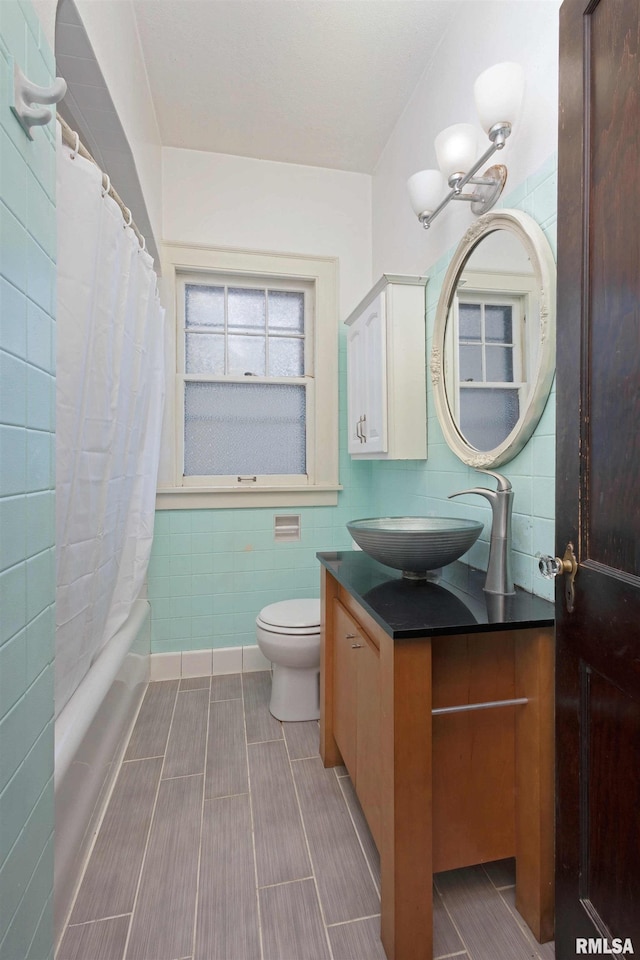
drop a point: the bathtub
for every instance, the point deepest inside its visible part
(90, 736)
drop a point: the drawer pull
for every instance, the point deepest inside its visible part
(488, 705)
(356, 646)
(351, 636)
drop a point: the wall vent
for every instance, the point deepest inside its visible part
(286, 527)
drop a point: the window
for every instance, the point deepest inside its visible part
(492, 353)
(490, 366)
(248, 379)
(254, 409)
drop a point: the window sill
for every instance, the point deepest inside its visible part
(201, 498)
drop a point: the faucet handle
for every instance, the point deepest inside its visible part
(462, 493)
(503, 483)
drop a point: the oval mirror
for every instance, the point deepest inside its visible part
(493, 356)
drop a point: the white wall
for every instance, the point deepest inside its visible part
(221, 200)
(113, 34)
(485, 32)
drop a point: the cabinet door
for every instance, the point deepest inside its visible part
(356, 716)
(345, 685)
(367, 380)
(374, 331)
(356, 387)
(368, 766)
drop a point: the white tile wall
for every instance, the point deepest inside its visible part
(204, 663)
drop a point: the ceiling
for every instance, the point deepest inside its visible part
(318, 82)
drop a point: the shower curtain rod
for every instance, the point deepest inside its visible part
(71, 138)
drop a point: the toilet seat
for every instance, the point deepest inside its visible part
(291, 617)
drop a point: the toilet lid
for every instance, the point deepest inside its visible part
(292, 614)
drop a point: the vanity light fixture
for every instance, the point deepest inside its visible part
(498, 95)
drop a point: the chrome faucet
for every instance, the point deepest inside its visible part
(499, 578)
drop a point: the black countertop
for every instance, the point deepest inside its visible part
(455, 603)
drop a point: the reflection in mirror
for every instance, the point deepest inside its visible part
(491, 342)
(493, 359)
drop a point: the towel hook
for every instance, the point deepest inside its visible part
(26, 94)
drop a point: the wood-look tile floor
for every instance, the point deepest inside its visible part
(226, 839)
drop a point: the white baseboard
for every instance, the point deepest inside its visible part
(204, 663)
(254, 659)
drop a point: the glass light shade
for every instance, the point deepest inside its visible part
(426, 190)
(498, 94)
(457, 148)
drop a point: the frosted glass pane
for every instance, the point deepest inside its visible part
(246, 355)
(286, 311)
(286, 357)
(204, 353)
(247, 310)
(469, 321)
(499, 364)
(487, 416)
(204, 306)
(497, 323)
(470, 363)
(242, 429)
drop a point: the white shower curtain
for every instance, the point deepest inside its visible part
(109, 398)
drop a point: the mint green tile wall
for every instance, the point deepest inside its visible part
(422, 487)
(27, 575)
(211, 571)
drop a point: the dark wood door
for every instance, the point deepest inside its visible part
(598, 477)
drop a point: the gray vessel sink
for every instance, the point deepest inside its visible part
(415, 545)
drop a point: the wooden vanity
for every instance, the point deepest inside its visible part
(440, 789)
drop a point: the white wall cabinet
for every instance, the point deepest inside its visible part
(386, 373)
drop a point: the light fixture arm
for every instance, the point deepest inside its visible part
(498, 93)
(493, 184)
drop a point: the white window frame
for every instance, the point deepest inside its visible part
(318, 275)
(514, 290)
(307, 380)
(518, 383)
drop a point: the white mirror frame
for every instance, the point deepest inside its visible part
(537, 247)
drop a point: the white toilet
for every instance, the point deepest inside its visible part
(288, 634)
